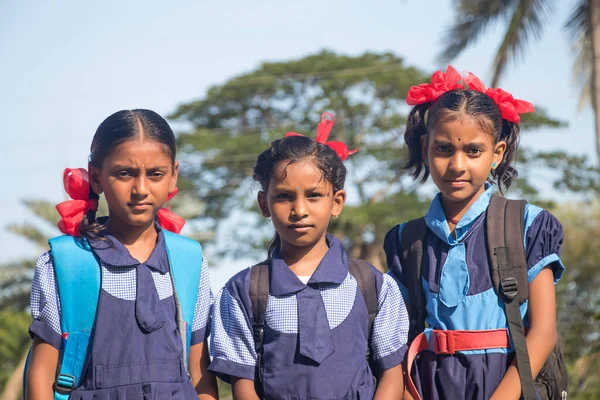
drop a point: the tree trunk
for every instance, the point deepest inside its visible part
(14, 386)
(595, 89)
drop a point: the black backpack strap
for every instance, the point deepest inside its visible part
(259, 296)
(412, 239)
(361, 271)
(505, 228)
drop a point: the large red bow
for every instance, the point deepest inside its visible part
(510, 108)
(77, 185)
(168, 219)
(323, 130)
(440, 84)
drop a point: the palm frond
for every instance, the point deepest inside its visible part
(43, 209)
(528, 19)
(578, 29)
(470, 23)
(29, 232)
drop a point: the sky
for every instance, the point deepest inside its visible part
(65, 66)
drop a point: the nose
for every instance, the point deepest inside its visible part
(140, 186)
(458, 162)
(299, 209)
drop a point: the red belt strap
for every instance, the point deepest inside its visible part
(449, 342)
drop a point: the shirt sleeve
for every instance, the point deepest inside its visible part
(232, 342)
(204, 306)
(390, 328)
(543, 241)
(45, 303)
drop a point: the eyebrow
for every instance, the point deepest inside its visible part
(122, 166)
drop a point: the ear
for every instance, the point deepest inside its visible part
(424, 149)
(262, 204)
(174, 177)
(339, 199)
(499, 150)
(94, 175)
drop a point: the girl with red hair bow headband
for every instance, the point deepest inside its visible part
(465, 136)
(129, 272)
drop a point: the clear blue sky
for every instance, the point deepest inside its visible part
(67, 65)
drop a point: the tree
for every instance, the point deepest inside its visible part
(235, 121)
(525, 19)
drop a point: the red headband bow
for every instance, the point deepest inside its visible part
(323, 130)
(510, 108)
(440, 84)
(72, 212)
(168, 219)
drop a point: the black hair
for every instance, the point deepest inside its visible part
(447, 108)
(121, 127)
(294, 149)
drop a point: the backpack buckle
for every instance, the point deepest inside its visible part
(443, 342)
(64, 384)
(510, 287)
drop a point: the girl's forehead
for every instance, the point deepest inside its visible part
(303, 172)
(142, 152)
(464, 129)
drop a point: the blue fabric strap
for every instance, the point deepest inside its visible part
(78, 280)
(185, 258)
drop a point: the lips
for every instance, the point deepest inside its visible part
(458, 183)
(139, 206)
(300, 227)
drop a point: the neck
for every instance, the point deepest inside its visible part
(129, 235)
(455, 210)
(304, 260)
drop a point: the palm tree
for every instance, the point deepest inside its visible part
(525, 19)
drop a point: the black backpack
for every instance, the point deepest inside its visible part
(504, 232)
(259, 296)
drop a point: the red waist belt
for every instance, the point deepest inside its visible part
(449, 342)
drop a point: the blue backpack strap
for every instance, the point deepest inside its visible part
(185, 259)
(78, 279)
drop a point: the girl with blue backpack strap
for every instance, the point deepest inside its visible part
(478, 271)
(121, 305)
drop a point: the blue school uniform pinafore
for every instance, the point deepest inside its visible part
(136, 350)
(315, 338)
(460, 296)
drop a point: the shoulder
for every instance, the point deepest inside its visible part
(44, 268)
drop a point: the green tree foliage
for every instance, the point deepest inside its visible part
(14, 341)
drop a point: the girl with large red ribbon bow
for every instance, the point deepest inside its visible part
(149, 286)
(465, 137)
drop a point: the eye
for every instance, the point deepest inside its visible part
(124, 174)
(315, 195)
(443, 149)
(156, 175)
(283, 196)
(475, 151)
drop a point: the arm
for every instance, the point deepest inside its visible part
(204, 381)
(388, 340)
(42, 370)
(391, 384)
(243, 389)
(542, 336)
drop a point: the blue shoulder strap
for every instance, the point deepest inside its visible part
(78, 279)
(185, 258)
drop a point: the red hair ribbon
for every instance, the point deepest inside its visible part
(77, 185)
(510, 108)
(168, 219)
(440, 84)
(323, 130)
